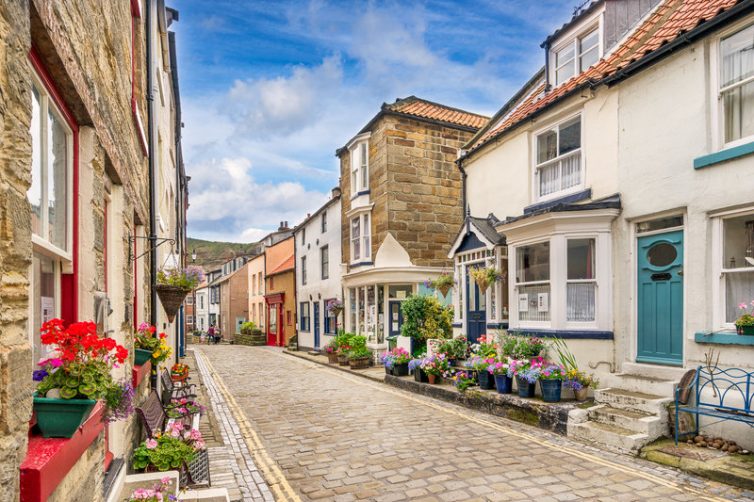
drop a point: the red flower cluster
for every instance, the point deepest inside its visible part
(79, 342)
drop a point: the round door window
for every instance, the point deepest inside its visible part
(661, 254)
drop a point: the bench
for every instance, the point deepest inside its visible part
(152, 414)
(171, 391)
(723, 394)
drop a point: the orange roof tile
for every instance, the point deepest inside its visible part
(671, 19)
(287, 264)
(435, 111)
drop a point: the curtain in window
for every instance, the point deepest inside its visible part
(739, 288)
(738, 64)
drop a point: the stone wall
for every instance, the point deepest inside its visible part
(15, 242)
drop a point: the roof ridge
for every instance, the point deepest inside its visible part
(412, 98)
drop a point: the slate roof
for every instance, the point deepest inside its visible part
(287, 265)
(487, 227)
(609, 202)
(435, 111)
(670, 22)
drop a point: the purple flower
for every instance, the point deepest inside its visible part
(39, 375)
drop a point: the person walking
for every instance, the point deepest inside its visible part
(218, 336)
(211, 334)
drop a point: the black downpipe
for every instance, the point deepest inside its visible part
(459, 163)
(547, 67)
(152, 179)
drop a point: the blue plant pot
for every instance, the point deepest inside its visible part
(551, 390)
(525, 389)
(504, 384)
(486, 382)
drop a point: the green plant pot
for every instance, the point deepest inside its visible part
(746, 330)
(141, 356)
(60, 418)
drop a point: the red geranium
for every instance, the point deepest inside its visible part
(79, 342)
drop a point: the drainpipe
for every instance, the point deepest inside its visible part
(547, 66)
(459, 163)
(152, 177)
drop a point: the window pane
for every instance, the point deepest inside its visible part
(570, 168)
(533, 262)
(367, 233)
(564, 56)
(588, 50)
(534, 303)
(738, 242)
(352, 308)
(588, 58)
(57, 143)
(547, 146)
(738, 105)
(570, 136)
(563, 74)
(35, 191)
(44, 301)
(549, 179)
(580, 301)
(739, 288)
(580, 258)
(737, 53)
(355, 239)
(589, 41)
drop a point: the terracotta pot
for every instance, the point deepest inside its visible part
(581, 394)
(433, 379)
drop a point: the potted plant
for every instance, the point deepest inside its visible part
(443, 283)
(170, 450)
(435, 367)
(396, 361)
(551, 382)
(480, 365)
(147, 340)
(335, 307)
(184, 409)
(143, 351)
(486, 346)
(164, 490)
(463, 380)
(745, 322)
(344, 347)
(526, 372)
(331, 351)
(179, 372)
(415, 366)
(484, 277)
(580, 382)
(173, 285)
(454, 349)
(359, 358)
(503, 380)
(77, 375)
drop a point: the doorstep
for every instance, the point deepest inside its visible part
(374, 373)
(733, 469)
(533, 411)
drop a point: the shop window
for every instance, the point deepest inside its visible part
(581, 280)
(533, 282)
(737, 264)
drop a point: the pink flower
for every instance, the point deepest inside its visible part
(151, 444)
(742, 306)
(166, 480)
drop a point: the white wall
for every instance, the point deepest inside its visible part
(316, 289)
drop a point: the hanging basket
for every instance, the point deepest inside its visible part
(171, 298)
(483, 284)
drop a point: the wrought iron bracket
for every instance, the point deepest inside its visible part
(155, 243)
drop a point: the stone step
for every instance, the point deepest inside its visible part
(660, 385)
(641, 422)
(610, 437)
(632, 400)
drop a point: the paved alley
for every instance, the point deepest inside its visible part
(322, 434)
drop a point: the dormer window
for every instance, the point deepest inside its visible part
(360, 167)
(576, 55)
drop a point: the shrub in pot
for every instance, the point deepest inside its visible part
(575, 379)
(147, 339)
(331, 351)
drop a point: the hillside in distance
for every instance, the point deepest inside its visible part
(211, 255)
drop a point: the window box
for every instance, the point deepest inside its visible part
(139, 372)
(723, 338)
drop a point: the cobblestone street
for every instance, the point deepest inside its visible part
(334, 436)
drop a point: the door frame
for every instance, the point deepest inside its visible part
(633, 347)
(471, 283)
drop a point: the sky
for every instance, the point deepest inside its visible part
(270, 89)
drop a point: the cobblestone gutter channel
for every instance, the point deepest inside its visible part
(248, 453)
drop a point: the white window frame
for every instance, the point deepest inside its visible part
(574, 37)
(516, 284)
(364, 237)
(719, 271)
(303, 270)
(324, 272)
(718, 113)
(358, 150)
(594, 280)
(559, 158)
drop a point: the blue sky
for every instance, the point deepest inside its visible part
(271, 88)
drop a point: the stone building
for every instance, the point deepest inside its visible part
(401, 207)
(280, 292)
(318, 273)
(234, 301)
(73, 194)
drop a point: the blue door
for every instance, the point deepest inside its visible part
(476, 309)
(396, 317)
(316, 325)
(660, 298)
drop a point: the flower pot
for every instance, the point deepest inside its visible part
(388, 370)
(141, 356)
(434, 379)
(342, 360)
(485, 379)
(746, 330)
(332, 357)
(171, 298)
(420, 376)
(400, 370)
(359, 364)
(551, 390)
(504, 384)
(581, 394)
(60, 418)
(452, 363)
(525, 389)
(178, 378)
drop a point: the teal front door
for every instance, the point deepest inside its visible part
(660, 298)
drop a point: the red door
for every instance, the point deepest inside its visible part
(274, 323)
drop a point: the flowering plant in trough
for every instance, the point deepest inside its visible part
(79, 367)
(147, 340)
(463, 380)
(182, 408)
(168, 450)
(485, 346)
(527, 369)
(577, 380)
(158, 492)
(398, 355)
(551, 371)
(499, 368)
(480, 363)
(435, 365)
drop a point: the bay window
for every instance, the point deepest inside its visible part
(533, 281)
(359, 167)
(558, 159)
(737, 267)
(360, 238)
(736, 89)
(581, 280)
